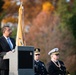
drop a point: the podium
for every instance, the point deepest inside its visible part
(21, 61)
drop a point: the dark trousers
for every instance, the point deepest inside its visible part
(4, 72)
(4, 66)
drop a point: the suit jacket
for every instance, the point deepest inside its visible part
(54, 70)
(4, 47)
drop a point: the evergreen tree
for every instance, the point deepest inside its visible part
(1, 4)
(72, 19)
(67, 13)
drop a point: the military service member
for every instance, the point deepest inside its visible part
(55, 66)
(39, 66)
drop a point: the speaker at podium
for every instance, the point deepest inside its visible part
(21, 61)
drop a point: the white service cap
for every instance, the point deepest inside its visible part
(55, 51)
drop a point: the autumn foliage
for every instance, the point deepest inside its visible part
(48, 27)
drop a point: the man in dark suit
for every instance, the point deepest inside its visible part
(6, 44)
(55, 66)
(39, 66)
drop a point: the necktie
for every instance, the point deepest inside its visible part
(10, 43)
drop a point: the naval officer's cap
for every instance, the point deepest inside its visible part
(54, 51)
(37, 51)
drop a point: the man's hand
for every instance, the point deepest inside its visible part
(13, 50)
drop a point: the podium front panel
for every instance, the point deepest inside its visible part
(25, 59)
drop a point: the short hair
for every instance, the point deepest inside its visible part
(4, 28)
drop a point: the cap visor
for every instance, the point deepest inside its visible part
(37, 52)
(55, 53)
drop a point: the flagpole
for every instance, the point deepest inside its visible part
(19, 38)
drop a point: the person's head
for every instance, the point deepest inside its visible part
(54, 54)
(36, 54)
(7, 31)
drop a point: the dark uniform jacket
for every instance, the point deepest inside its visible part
(4, 47)
(54, 70)
(39, 68)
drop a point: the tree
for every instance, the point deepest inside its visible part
(1, 4)
(66, 12)
(72, 19)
